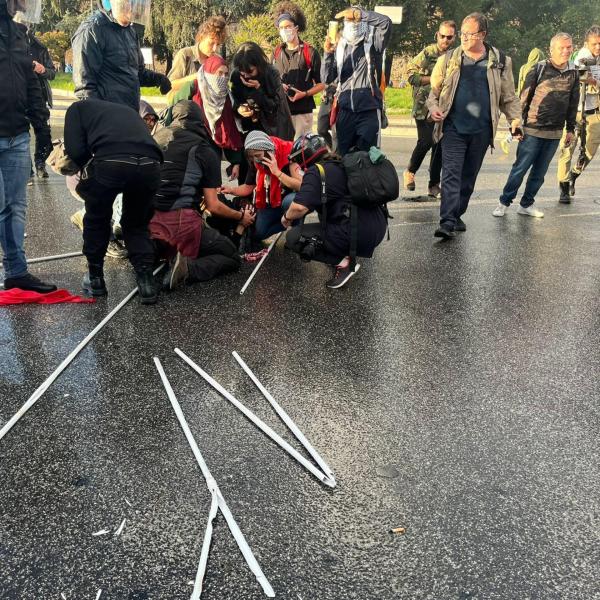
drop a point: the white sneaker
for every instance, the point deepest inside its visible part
(500, 210)
(530, 211)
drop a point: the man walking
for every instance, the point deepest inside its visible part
(20, 103)
(470, 86)
(549, 99)
(567, 171)
(419, 76)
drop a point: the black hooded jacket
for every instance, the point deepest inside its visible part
(191, 164)
(20, 93)
(40, 54)
(108, 63)
(98, 129)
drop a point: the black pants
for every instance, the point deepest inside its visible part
(324, 252)
(43, 140)
(137, 178)
(424, 145)
(357, 130)
(462, 157)
(217, 255)
(323, 127)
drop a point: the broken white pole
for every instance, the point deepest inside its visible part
(119, 531)
(286, 419)
(54, 257)
(214, 507)
(262, 260)
(260, 424)
(66, 362)
(214, 488)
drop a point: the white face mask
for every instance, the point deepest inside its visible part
(287, 34)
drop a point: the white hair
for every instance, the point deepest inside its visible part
(560, 36)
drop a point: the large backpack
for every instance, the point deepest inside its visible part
(370, 185)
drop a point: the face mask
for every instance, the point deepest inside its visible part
(218, 83)
(353, 32)
(287, 34)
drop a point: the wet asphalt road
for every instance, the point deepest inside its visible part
(452, 387)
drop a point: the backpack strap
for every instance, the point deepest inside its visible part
(321, 171)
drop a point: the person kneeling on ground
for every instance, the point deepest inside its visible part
(325, 190)
(190, 177)
(116, 154)
(272, 177)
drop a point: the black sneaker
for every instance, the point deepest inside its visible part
(94, 285)
(147, 288)
(40, 171)
(460, 226)
(444, 232)
(30, 283)
(341, 276)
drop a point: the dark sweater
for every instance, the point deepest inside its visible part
(549, 100)
(106, 130)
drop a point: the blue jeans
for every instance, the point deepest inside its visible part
(535, 153)
(268, 220)
(15, 167)
(462, 157)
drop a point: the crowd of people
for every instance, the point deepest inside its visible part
(153, 183)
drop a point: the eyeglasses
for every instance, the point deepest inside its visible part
(465, 35)
(446, 37)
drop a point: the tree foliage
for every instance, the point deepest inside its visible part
(57, 42)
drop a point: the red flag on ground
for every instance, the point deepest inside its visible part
(17, 296)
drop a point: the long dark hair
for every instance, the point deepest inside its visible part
(249, 55)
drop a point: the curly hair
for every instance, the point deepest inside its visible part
(213, 26)
(294, 10)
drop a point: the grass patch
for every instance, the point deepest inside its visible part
(398, 101)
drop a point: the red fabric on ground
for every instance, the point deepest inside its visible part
(17, 296)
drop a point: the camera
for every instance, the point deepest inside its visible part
(310, 247)
(291, 92)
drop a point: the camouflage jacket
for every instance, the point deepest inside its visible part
(420, 66)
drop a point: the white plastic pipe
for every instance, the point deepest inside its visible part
(66, 362)
(262, 260)
(260, 424)
(214, 488)
(53, 257)
(286, 419)
(214, 507)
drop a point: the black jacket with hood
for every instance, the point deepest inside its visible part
(21, 100)
(190, 164)
(108, 63)
(40, 54)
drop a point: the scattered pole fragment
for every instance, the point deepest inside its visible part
(31, 261)
(214, 507)
(398, 530)
(98, 594)
(66, 362)
(119, 531)
(101, 532)
(260, 424)
(216, 495)
(286, 419)
(262, 260)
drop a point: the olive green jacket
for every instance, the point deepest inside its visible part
(421, 66)
(444, 82)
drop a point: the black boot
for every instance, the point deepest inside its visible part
(147, 288)
(40, 170)
(30, 283)
(94, 285)
(565, 198)
(572, 178)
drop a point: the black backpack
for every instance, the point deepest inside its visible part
(371, 185)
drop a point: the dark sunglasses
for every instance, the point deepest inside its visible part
(447, 37)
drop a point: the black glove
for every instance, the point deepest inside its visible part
(165, 85)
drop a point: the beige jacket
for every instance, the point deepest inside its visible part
(445, 78)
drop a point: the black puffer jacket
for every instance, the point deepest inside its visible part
(108, 63)
(190, 164)
(20, 93)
